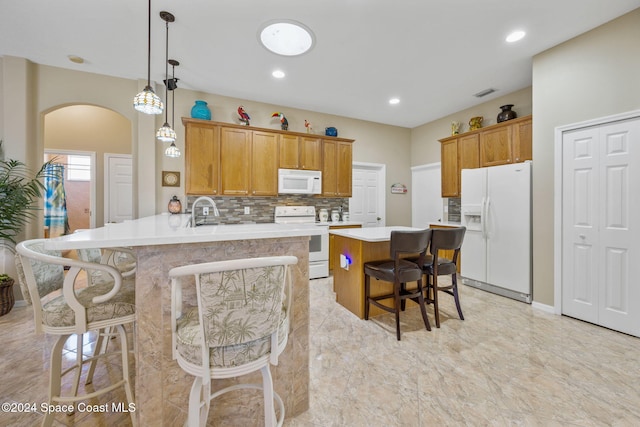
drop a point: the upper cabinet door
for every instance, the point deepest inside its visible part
(345, 168)
(202, 159)
(522, 140)
(289, 152)
(449, 168)
(495, 146)
(264, 164)
(310, 153)
(235, 161)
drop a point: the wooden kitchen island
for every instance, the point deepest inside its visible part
(162, 242)
(360, 245)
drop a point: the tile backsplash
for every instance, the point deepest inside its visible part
(261, 208)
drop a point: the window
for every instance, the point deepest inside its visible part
(78, 168)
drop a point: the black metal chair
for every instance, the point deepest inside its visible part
(443, 239)
(399, 271)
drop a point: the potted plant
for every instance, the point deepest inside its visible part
(20, 189)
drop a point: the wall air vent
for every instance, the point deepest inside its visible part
(484, 92)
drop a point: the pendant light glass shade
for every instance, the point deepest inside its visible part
(166, 134)
(172, 151)
(147, 101)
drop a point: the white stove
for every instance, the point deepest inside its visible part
(318, 245)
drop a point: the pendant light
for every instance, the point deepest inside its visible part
(166, 133)
(172, 150)
(147, 101)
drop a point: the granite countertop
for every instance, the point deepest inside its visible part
(370, 234)
(167, 229)
(340, 223)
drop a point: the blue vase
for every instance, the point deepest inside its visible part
(201, 111)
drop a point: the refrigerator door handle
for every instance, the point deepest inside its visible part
(485, 217)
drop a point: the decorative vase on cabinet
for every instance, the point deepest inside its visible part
(506, 114)
(200, 111)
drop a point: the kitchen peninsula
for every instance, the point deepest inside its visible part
(359, 245)
(164, 241)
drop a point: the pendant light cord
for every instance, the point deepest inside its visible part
(166, 75)
(149, 48)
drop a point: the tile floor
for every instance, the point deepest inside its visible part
(506, 364)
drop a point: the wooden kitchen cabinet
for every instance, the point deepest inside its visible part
(289, 154)
(235, 152)
(332, 256)
(264, 164)
(202, 159)
(300, 152)
(310, 153)
(503, 143)
(236, 160)
(449, 169)
(337, 168)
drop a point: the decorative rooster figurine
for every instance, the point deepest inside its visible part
(284, 123)
(244, 117)
(307, 124)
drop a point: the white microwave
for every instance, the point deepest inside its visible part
(295, 181)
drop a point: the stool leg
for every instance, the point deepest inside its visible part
(436, 310)
(367, 288)
(55, 377)
(124, 348)
(396, 303)
(267, 388)
(96, 351)
(195, 417)
(423, 308)
(78, 365)
(456, 298)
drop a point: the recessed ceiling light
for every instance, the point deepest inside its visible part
(288, 38)
(278, 74)
(515, 36)
(76, 59)
(394, 101)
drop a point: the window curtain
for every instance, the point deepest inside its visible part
(55, 203)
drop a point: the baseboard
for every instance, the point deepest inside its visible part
(543, 307)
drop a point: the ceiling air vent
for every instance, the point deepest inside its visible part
(484, 92)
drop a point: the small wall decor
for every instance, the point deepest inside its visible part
(507, 113)
(170, 179)
(307, 126)
(200, 111)
(244, 117)
(284, 123)
(398, 188)
(475, 123)
(455, 128)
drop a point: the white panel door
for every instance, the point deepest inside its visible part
(426, 201)
(579, 219)
(619, 288)
(364, 204)
(601, 220)
(118, 188)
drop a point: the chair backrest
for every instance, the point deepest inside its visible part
(47, 277)
(403, 242)
(447, 239)
(239, 300)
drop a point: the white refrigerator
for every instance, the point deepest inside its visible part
(496, 209)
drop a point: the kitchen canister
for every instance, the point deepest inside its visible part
(323, 216)
(200, 110)
(335, 216)
(345, 216)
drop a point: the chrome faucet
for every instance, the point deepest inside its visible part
(195, 204)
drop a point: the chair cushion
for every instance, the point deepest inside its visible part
(384, 270)
(188, 343)
(445, 267)
(58, 314)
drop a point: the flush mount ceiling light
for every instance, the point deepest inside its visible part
(515, 36)
(278, 74)
(147, 101)
(166, 133)
(287, 38)
(76, 59)
(394, 101)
